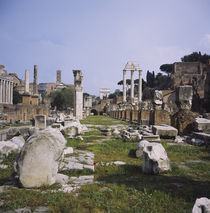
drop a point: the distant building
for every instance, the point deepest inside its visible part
(6, 87)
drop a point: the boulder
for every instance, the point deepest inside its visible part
(18, 140)
(140, 147)
(202, 124)
(195, 141)
(202, 205)
(116, 132)
(12, 132)
(165, 131)
(183, 121)
(6, 147)
(71, 131)
(39, 159)
(73, 128)
(62, 179)
(179, 139)
(24, 131)
(155, 159)
(131, 136)
(106, 132)
(68, 150)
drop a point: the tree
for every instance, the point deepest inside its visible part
(117, 92)
(17, 97)
(150, 79)
(128, 82)
(167, 68)
(196, 57)
(62, 98)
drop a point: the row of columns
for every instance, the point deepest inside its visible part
(6, 91)
(132, 86)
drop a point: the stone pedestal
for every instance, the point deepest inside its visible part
(160, 117)
(40, 121)
(35, 100)
(144, 117)
(184, 96)
(26, 99)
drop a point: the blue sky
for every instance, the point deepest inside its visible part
(99, 37)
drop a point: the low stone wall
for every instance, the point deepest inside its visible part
(23, 112)
(142, 117)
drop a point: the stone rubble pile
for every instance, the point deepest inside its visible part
(131, 135)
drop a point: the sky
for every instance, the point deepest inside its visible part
(99, 37)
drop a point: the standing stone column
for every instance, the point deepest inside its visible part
(11, 99)
(35, 88)
(8, 94)
(26, 89)
(0, 91)
(78, 102)
(6, 91)
(140, 87)
(58, 77)
(3, 91)
(132, 86)
(124, 86)
(11, 93)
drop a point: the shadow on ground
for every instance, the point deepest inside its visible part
(181, 187)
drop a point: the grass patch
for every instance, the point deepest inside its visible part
(5, 174)
(102, 120)
(92, 132)
(179, 153)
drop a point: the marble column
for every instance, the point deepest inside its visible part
(132, 86)
(35, 88)
(11, 92)
(3, 91)
(26, 89)
(124, 86)
(8, 94)
(0, 91)
(140, 87)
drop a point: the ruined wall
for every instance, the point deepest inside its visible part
(189, 73)
(23, 112)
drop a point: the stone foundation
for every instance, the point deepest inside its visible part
(142, 117)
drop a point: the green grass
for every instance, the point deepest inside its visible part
(5, 174)
(102, 120)
(123, 188)
(179, 153)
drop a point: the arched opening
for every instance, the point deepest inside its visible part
(95, 112)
